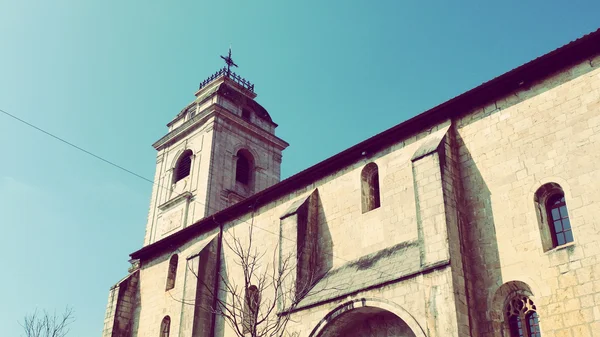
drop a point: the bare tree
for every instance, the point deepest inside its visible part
(45, 324)
(259, 303)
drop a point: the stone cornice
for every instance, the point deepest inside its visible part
(201, 118)
(185, 128)
(175, 200)
(241, 124)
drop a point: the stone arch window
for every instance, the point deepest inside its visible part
(553, 216)
(522, 317)
(165, 327)
(172, 272)
(183, 166)
(244, 167)
(251, 308)
(370, 187)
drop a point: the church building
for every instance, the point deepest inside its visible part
(478, 217)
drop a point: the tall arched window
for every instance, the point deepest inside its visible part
(558, 216)
(251, 308)
(553, 216)
(243, 167)
(183, 166)
(370, 187)
(172, 272)
(165, 327)
(522, 317)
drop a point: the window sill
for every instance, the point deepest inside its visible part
(372, 210)
(176, 200)
(557, 248)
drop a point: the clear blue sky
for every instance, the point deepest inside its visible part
(108, 76)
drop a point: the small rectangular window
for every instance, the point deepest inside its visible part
(246, 114)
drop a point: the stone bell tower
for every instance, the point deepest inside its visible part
(220, 149)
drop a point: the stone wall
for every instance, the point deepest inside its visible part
(196, 263)
(123, 306)
(455, 235)
(359, 246)
(168, 213)
(547, 132)
(347, 235)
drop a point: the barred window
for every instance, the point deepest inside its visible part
(559, 218)
(191, 111)
(553, 216)
(516, 327)
(533, 324)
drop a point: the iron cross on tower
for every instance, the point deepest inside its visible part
(229, 61)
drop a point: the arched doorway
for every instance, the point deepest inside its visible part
(368, 318)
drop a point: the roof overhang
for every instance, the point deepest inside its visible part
(542, 67)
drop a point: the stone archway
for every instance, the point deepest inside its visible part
(368, 318)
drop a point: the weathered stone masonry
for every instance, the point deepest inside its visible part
(455, 243)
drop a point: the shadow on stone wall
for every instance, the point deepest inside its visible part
(367, 321)
(324, 244)
(481, 246)
(219, 321)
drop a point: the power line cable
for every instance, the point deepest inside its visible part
(155, 183)
(107, 161)
(75, 146)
